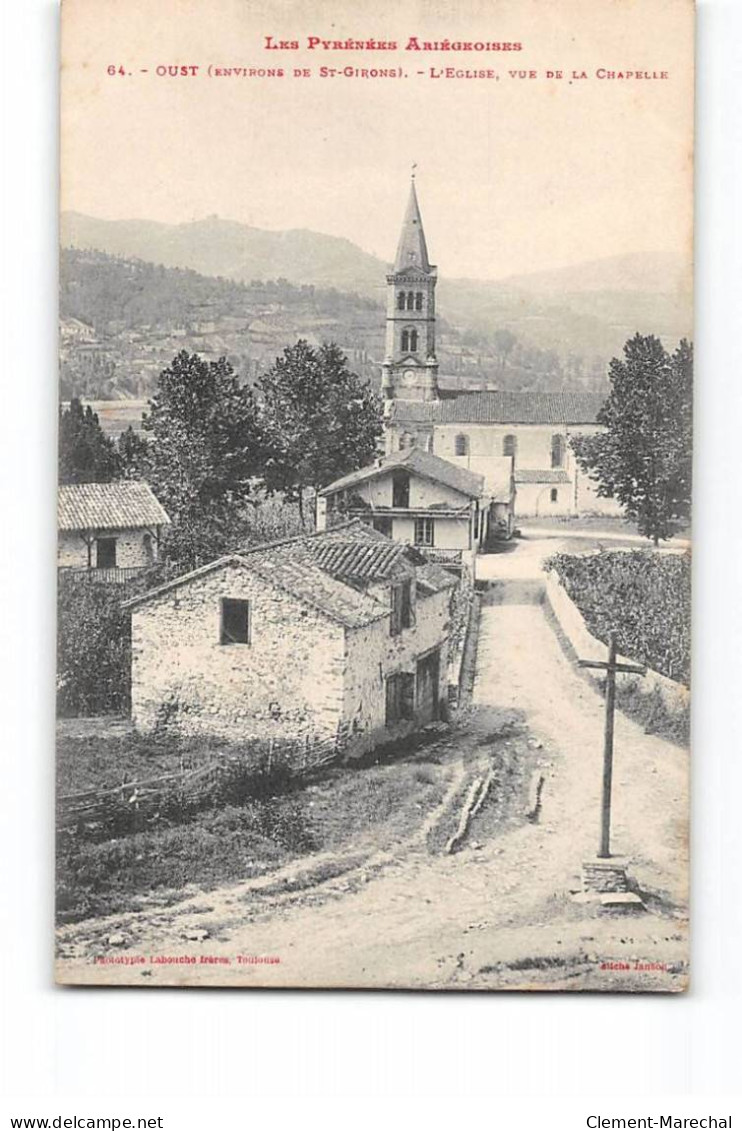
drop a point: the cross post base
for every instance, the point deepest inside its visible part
(605, 874)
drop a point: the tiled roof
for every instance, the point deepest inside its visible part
(362, 560)
(528, 475)
(502, 407)
(306, 580)
(434, 577)
(108, 506)
(296, 565)
(418, 462)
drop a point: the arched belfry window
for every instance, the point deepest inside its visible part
(405, 341)
(401, 297)
(510, 445)
(461, 445)
(410, 300)
(419, 300)
(413, 341)
(557, 450)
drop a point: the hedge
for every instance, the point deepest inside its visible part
(642, 596)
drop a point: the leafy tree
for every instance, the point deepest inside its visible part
(644, 458)
(86, 454)
(133, 453)
(206, 448)
(321, 420)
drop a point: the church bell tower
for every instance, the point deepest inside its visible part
(410, 367)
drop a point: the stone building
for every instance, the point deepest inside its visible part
(341, 634)
(431, 411)
(415, 497)
(108, 530)
(531, 428)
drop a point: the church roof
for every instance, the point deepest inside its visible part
(418, 462)
(502, 407)
(412, 251)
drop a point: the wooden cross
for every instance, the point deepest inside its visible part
(610, 668)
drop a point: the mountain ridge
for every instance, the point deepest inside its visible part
(588, 309)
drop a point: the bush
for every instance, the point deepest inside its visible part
(93, 649)
(642, 596)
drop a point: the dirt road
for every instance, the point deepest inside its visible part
(498, 913)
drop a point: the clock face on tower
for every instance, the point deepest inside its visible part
(409, 374)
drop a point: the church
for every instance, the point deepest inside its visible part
(476, 429)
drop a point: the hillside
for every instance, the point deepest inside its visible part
(586, 309)
(122, 321)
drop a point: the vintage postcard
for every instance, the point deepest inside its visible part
(375, 429)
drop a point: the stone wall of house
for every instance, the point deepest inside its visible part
(71, 549)
(287, 682)
(131, 548)
(372, 655)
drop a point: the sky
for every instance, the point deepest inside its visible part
(514, 174)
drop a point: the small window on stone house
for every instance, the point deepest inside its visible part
(554, 495)
(105, 553)
(557, 450)
(461, 445)
(400, 697)
(510, 445)
(234, 624)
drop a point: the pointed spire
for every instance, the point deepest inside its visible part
(412, 250)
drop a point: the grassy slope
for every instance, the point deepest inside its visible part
(377, 804)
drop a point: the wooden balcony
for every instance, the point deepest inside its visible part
(111, 575)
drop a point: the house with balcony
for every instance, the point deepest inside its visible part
(340, 635)
(415, 497)
(108, 531)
